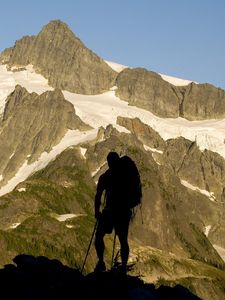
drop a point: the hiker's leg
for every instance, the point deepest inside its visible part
(99, 243)
(122, 232)
(124, 248)
(100, 247)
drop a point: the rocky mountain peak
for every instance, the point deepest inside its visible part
(55, 25)
(57, 30)
(58, 55)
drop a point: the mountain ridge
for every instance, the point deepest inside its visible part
(54, 148)
(61, 57)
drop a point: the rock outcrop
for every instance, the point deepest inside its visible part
(166, 203)
(178, 160)
(145, 133)
(63, 59)
(148, 90)
(202, 101)
(204, 169)
(32, 124)
(174, 217)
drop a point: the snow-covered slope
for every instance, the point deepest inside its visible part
(32, 81)
(72, 137)
(101, 110)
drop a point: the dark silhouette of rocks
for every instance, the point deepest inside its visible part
(37, 278)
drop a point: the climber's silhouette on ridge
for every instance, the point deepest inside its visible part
(122, 193)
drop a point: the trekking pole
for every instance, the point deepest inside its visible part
(114, 243)
(96, 223)
(141, 215)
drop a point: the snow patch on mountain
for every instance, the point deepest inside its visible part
(83, 151)
(221, 251)
(27, 78)
(147, 148)
(69, 226)
(97, 170)
(207, 229)
(7, 85)
(210, 195)
(175, 81)
(72, 137)
(116, 67)
(14, 225)
(63, 218)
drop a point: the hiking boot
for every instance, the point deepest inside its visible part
(100, 267)
(122, 270)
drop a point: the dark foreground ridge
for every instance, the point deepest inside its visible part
(34, 278)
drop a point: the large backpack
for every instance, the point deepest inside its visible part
(130, 182)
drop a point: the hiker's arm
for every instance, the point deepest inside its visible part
(98, 195)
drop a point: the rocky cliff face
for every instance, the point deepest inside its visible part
(180, 159)
(202, 101)
(32, 124)
(167, 204)
(171, 219)
(62, 58)
(204, 169)
(148, 90)
(145, 134)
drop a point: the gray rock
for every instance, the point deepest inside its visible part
(204, 169)
(203, 101)
(148, 90)
(143, 132)
(62, 58)
(33, 124)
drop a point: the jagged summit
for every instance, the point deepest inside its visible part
(53, 149)
(63, 59)
(57, 27)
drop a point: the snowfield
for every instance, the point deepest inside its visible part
(32, 81)
(72, 137)
(101, 110)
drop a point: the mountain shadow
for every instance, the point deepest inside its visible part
(37, 278)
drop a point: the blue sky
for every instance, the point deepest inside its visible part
(182, 38)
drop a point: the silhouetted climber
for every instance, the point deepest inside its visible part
(118, 184)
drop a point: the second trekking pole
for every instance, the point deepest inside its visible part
(114, 244)
(93, 233)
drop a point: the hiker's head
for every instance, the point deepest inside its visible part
(113, 159)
